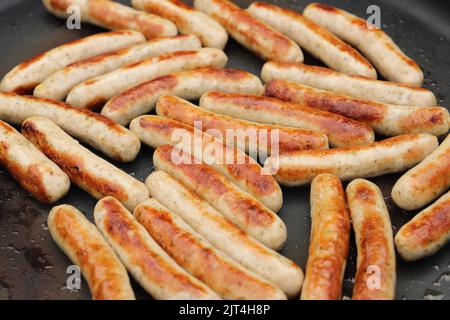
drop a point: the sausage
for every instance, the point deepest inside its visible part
(97, 91)
(250, 32)
(197, 256)
(85, 169)
(188, 20)
(379, 158)
(28, 166)
(427, 232)
(91, 128)
(341, 131)
(224, 235)
(425, 182)
(85, 246)
(240, 169)
(355, 86)
(113, 15)
(329, 243)
(236, 205)
(156, 272)
(375, 276)
(318, 41)
(27, 75)
(373, 43)
(187, 84)
(59, 84)
(252, 137)
(385, 119)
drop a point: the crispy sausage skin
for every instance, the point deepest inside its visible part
(91, 128)
(425, 182)
(373, 43)
(375, 276)
(235, 204)
(59, 84)
(250, 32)
(188, 20)
(329, 242)
(385, 119)
(318, 41)
(197, 256)
(85, 246)
(379, 158)
(188, 85)
(27, 75)
(289, 139)
(224, 235)
(355, 86)
(153, 268)
(239, 168)
(427, 232)
(113, 15)
(97, 91)
(88, 171)
(341, 131)
(28, 166)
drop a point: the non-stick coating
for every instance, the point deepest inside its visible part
(32, 266)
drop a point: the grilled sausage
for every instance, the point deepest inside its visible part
(375, 276)
(91, 173)
(98, 131)
(374, 43)
(385, 119)
(250, 32)
(240, 169)
(187, 84)
(355, 86)
(27, 75)
(427, 232)
(113, 15)
(340, 130)
(379, 158)
(28, 166)
(157, 273)
(237, 205)
(252, 137)
(85, 246)
(197, 256)
(329, 243)
(187, 19)
(318, 41)
(425, 182)
(59, 84)
(224, 235)
(97, 91)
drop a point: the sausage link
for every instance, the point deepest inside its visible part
(193, 252)
(425, 182)
(85, 246)
(224, 235)
(28, 166)
(341, 131)
(318, 41)
(379, 158)
(157, 273)
(375, 276)
(250, 32)
(88, 171)
(427, 232)
(329, 243)
(188, 20)
(188, 85)
(113, 15)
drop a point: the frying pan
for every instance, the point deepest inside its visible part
(33, 267)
